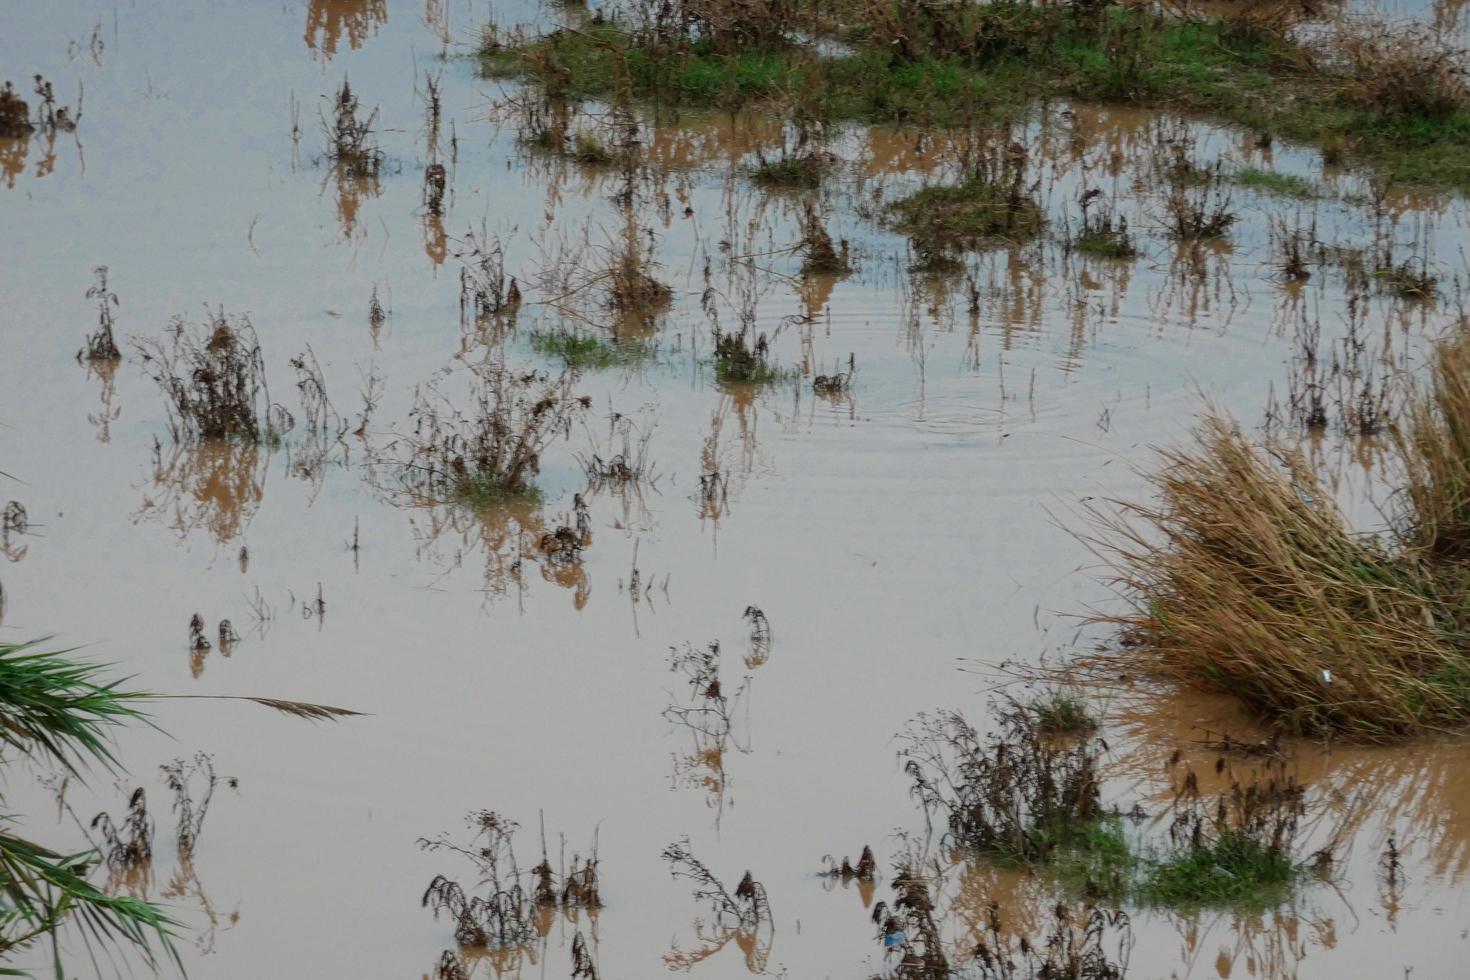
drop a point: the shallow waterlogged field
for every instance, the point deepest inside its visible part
(870, 532)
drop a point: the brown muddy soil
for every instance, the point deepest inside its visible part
(899, 532)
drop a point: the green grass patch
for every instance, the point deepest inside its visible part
(480, 492)
(1229, 869)
(971, 214)
(1235, 868)
(1062, 714)
(1106, 237)
(1097, 861)
(1015, 55)
(798, 172)
(1272, 182)
(587, 351)
(739, 362)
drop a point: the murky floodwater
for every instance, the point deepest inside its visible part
(893, 536)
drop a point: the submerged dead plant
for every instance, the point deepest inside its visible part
(352, 145)
(501, 911)
(488, 452)
(1016, 794)
(213, 379)
(742, 915)
(101, 346)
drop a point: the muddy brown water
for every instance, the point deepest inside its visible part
(896, 537)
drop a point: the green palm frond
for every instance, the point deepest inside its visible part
(58, 708)
(40, 888)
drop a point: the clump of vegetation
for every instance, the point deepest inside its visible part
(1275, 182)
(742, 915)
(587, 350)
(760, 637)
(711, 711)
(839, 382)
(1197, 202)
(1393, 97)
(1076, 947)
(1015, 794)
(131, 845)
(739, 361)
(1351, 379)
(15, 114)
(436, 182)
(632, 289)
(583, 966)
(819, 255)
(1245, 578)
(1062, 713)
(181, 777)
(101, 346)
(50, 116)
(563, 546)
(1103, 232)
(866, 868)
(499, 912)
(352, 144)
(625, 463)
(1078, 944)
(747, 906)
(992, 204)
(708, 715)
(1294, 247)
(490, 452)
(213, 380)
(802, 170)
(1238, 849)
(910, 927)
(1407, 70)
(485, 292)
(1407, 279)
(1433, 442)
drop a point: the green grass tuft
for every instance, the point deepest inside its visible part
(1273, 182)
(587, 351)
(1062, 714)
(802, 172)
(972, 214)
(1236, 868)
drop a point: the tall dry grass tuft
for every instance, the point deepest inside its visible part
(1411, 70)
(1244, 577)
(1433, 443)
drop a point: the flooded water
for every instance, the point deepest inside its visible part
(898, 537)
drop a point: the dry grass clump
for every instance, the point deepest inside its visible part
(15, 114)
(1244, 577)
(1434, 444)
(731, 25)
(819, 255)
(213, 380)
(1405, 69)
(350, 135)
(992, 204)
(632, 290)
